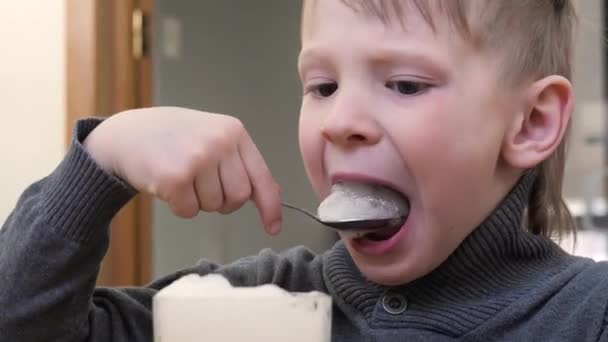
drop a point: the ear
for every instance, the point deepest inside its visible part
(539, 128)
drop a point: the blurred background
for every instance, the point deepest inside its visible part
(67, 59)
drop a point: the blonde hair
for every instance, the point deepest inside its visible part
(532, 39)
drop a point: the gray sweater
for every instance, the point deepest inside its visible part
(501, 284)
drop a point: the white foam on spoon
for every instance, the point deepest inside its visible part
(208, 308)
(359, 201)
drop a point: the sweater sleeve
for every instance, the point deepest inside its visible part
(52, 244)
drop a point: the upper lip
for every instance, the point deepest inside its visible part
(363, 178)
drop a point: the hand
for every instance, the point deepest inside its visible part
(195, 161)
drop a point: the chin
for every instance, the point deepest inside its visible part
(388, 277)
(386, 272)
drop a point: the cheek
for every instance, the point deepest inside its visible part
(451, 151)
(456, 133)
(311, 148)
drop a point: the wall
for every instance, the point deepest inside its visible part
(31, 94)
(235, 57)
(589, 116)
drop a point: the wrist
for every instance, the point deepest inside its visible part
(99, 151)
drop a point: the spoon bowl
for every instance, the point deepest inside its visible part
(353, 225)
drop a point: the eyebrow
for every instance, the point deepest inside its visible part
(381, 56)
(310, 56)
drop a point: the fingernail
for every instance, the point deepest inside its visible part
(276, 228)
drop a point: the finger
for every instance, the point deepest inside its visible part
(183, 201)
(209, 189)
(235, 183)
(265, 191)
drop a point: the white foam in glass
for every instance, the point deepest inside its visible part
(208, 308)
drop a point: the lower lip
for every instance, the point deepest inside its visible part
(378, 248)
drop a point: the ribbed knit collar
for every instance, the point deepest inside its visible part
(494, 266)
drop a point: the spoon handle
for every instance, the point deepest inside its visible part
(303, 211)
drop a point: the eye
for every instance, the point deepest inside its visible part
(324, 89)
(407, 87)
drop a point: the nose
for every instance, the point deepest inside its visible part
(350, 122)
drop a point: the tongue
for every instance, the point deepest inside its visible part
(382, 234)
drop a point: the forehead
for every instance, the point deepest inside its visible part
(340, 22)
(438, 15)
(318, 16)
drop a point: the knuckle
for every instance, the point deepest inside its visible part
(185, 211)
(174, 176)
(217, 140)
(229, 132)
(230, 208)
(234, 128)
(238, 198)
(242, 193)
(171, 180)
(234, 125)
(212, 203)
(201, 156)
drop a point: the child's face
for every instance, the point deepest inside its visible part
(413, 108)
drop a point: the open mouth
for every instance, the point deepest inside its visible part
(369, 203)
(382, 233)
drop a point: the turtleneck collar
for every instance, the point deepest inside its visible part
(494, 266)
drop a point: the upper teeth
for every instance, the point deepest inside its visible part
(359, 201)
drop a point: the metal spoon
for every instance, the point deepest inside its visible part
(352, 225)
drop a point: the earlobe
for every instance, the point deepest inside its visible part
(539, 128)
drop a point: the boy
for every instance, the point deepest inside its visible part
(462, 106)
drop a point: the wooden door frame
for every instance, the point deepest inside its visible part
(103, 78)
